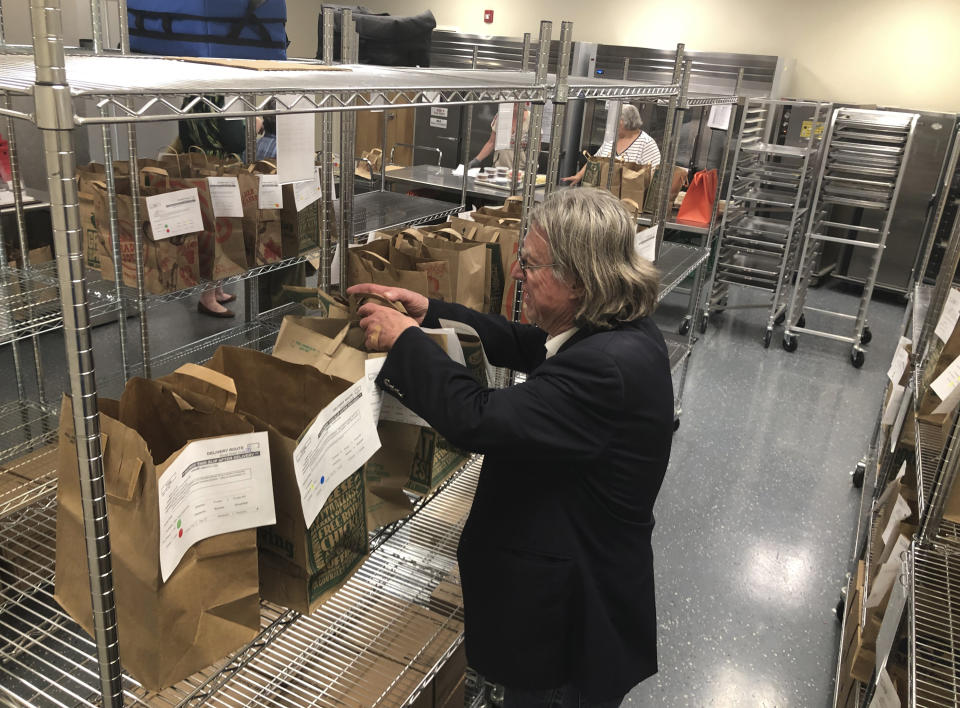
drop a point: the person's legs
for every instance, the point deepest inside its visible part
(208, 305)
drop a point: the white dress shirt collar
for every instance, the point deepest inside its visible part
(554, 343)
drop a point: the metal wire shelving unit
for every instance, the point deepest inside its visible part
(336, 652)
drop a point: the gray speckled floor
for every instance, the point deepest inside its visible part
(757, 513)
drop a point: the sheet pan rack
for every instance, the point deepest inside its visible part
(856, 194)
(768, 195)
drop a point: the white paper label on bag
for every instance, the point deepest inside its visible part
(893, 405)
(898, 423)
(438, 123)
(899, 363)
(949, 316)
(504, 127)
(214, 486)
(885, 695)
(901, 510)
(891, 620)
(888, 573)
(720, 117)
(646, 243)
(947, 382)
(296, 144)
(225, 196)
(611, 129)
(340, 440)
(175, 213)
(271, 193)
(307, 192)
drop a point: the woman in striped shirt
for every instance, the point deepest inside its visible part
(633, 145)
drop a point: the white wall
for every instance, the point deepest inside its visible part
(898, 53)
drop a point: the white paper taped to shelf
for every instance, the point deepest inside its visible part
(307, 192)
(271, 193)
(504, 126)
(611, 129)
(225, 196)
(547, 125)
(890, 623)
(900, 360)
(898, 423)
(949, 316)
(888, 573)
(885, 694)
(296, 143)
(901, 510)
(175, 213)
(438, 123)
(893, 405)
(945, 386)
(646, 243)
(215, 486)
(335, 265)
(439, 111)
(339, 441)
(719, 116)
(949, 403)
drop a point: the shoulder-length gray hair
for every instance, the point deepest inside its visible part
(630, 117)
(592, 241)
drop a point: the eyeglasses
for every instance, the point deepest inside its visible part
(524, 266)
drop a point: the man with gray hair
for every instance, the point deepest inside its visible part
(555, 558)
(633, 145)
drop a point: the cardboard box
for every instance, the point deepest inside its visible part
(457, 697)
(451, 677)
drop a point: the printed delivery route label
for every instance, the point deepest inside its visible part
(225, 195)
(307, 192)
(340, 439)
(949, 316)
(271, 193)
(945, 386)
(175, 213)
(214, 486)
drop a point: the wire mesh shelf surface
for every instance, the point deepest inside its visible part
(675, 263)
(936, 592)
(377, 641)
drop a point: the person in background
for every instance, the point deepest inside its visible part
(504, 158)
(267, 138)
(555, 558)
(633, 145)
(216, 137)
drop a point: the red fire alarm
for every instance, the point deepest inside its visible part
(488, 16)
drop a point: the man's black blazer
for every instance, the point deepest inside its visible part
(555, 558)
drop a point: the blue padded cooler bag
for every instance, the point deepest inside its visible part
(238, 29)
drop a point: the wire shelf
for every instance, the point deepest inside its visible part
(30, 301)
(382, 636)
(675, 263)
(678, 348)
(383, 210)
(935, 598)
(696, 100)
(922, 295)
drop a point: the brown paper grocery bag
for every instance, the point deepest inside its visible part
(169, 264)
(299, 566)
(381, 263)
(209, 607)
(387, 473)
(221, 244)
(634, 182)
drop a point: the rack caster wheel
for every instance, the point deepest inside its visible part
(856, 357)
(790, 342)
(684, 326)
(766, 338)
(703, 323)
(802, 321)
(866, 336)
(676, 424)
(780, 318)
(859, 472)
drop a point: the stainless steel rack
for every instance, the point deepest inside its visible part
(330, 654)
(864, 158)
(767, 199)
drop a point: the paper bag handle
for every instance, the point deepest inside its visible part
(223, 385)
(357, 300)
(449, 234)
(157, 171)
